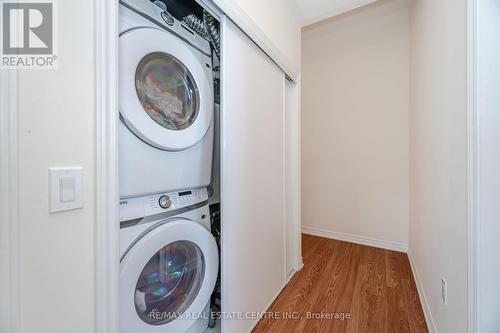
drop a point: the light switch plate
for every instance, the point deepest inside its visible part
(65, 189)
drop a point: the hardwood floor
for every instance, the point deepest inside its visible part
(364, 289)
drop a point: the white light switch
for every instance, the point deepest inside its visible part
(66, 189)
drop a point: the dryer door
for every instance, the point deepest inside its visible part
(166, 95)
(167, 278)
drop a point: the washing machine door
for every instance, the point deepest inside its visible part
(166, 93)
(167, 278)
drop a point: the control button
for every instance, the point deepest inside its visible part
(167, 18)
(165, 202)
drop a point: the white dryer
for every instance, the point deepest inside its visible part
(169, 263)
(166, 103)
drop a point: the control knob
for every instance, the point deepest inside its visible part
(165, 202)
(167, 18)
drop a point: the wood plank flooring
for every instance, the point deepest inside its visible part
(361, 288)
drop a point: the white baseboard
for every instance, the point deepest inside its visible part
(431, 325)
(301, 264)
(383, 244)
(256, 322)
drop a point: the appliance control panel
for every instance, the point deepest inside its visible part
(136, 208)
(164, 19)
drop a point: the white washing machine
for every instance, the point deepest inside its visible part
(166, 103)
(169, 263)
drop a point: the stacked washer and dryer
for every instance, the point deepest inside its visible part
(169, 258)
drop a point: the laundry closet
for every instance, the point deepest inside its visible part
(208, 168)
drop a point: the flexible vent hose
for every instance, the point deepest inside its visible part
(206, 28)
(212, 31)
(197, 25)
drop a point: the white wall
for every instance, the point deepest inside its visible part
(488, 99)
(438, 224)
(317, 10)
(355, 123)
(57, 128)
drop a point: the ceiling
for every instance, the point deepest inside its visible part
(312, 11)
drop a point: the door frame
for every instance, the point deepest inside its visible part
(9, 212)
(473, 171)
(107, 194)
(482, 160)
(293, 177)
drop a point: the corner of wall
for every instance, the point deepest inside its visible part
(431, 325)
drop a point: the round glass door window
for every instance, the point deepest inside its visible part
(167, 91)
(169, 283)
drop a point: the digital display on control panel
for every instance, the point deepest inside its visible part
(182, 194)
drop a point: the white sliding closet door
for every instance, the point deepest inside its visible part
(253, 181)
